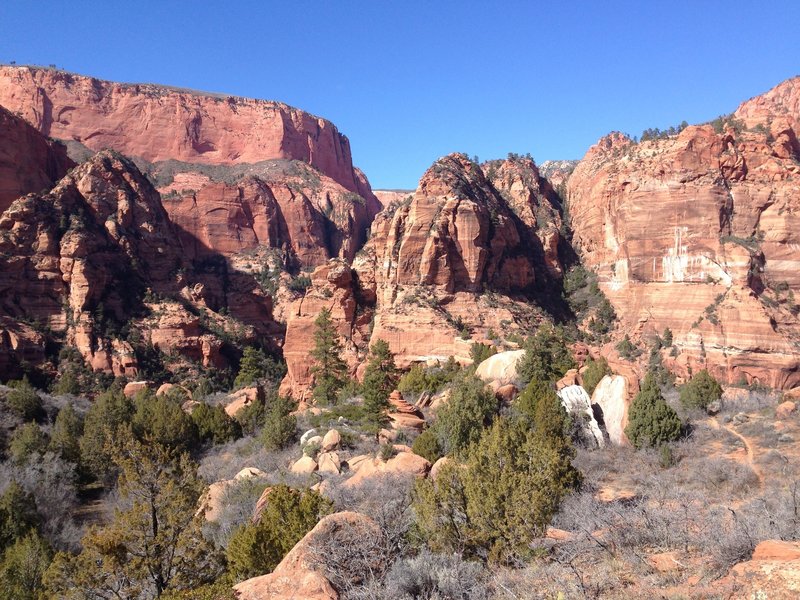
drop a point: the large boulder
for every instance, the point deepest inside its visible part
(403, 463)
(773, 572)
(294, 578)
(501, 367)
(578, 405)
(612, 398)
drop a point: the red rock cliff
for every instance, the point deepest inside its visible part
(698, 232)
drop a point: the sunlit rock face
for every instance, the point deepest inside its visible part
(698, 232)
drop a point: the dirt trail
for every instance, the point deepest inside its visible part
(750, 453)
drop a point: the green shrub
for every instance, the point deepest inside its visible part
(547, 356)
(109, 412)
(700, 391)
(469, 410)
(651, 421)
(627, 349)
(214, 425)
(280, 426)
(163, 421)
(480, 352)
(255, 366)
(18, 515)
(24, 401)
(257, 548)
(23, 566)
(595, 371)
(426, 445)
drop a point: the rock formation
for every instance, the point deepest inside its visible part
(461, 257)
(577, 403)
(28, 162)
(698, 232)
(403, 415)
(500, 367)
(611, 396)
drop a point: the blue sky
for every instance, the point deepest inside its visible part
(410, 81)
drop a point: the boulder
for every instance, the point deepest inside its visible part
(329, 462)
(403, 463)
(404, 415)
(134, 387)
(772, 572)
(611, 397)
(438, 465)
(242, 398)
(307, 436)
(506, 393)
(578, 405)
(261, 503)
(501, 367)
(304, 466)
(331, 440)
(211, 502)
(569, 379)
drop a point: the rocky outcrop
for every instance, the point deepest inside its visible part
(159, 123)
(29, 162)
(578, 405)
(698, 232)
(404, 463)
(98, 262)
(403, 415)
(612, 397)
(458, 259)
(772, 572)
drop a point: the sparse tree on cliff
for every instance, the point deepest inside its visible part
(329, 369)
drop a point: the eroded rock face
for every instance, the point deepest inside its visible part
(29, 163)
(451, 262)
(501, 367)
(612, 397)
(578, 404)
(83, 258)
(159, 123)
(691, 231)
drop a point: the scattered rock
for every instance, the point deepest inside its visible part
(242, 398)
(306, 436)
(714, 407)
(404, 463)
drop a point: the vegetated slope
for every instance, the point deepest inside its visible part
(698, 232)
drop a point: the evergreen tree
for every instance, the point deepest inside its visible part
(380, 380)
(595, 371)
(329, 369)
(215, 425)
(547, 356)
(469, 410)
(666, 337)
(26, 441)
(65, 438)
(154, 542)
(651, 421)
(257, 548)
(23, 567)
(280, 425)
(18, 515)
(24, 401)
(700, 391)
(163, 421)
(108, 413)
(256, 365)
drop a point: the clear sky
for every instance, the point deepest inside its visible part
(409, 81)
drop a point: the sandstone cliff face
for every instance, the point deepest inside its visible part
(457, 259)
(698, 233)
(28, 162)
(235, 173)
(158, 123)
(82, 259)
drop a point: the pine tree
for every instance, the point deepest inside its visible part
(280, 425)
(108, 413)
(65, 438)
(380, 379)
(651, 421)
(154, 543)
(547, 356)
(23, 567)
(329, 369)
